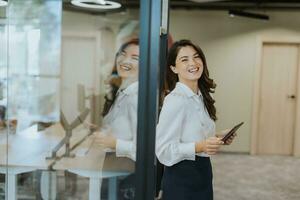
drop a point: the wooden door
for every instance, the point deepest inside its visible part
(277, 103)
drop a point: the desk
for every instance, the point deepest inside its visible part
(24, 152)
(11, 174)
(96, 165)
(28, 149)
(95, 180)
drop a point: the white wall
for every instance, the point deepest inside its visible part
(106, 25)
(230, 46)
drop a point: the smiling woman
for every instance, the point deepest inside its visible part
(127, 62)
(186, 134)
(189, 66)
(185, 57)
(125, 71)
(118, 133)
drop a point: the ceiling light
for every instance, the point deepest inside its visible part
(204, 1)
(241, 13)
(3, 3)
(96, 4)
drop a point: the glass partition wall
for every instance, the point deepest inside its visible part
(73, 122)
(4, 126)
(33, 108)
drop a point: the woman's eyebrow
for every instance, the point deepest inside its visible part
(136, 55)
(182, 57)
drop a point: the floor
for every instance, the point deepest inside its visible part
(245, 177)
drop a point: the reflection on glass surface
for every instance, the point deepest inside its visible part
(99, 167)
(54, 109)
(30, 78)
(103, 162)
(118, 133)
(34, 61)
(120, 110)
(3, 99)
(3, 75)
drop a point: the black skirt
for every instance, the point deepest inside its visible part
(188, 180)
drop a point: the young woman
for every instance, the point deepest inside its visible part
(120, 109)
(186, 134)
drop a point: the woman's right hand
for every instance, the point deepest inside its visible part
(105, 140)
(210, 146)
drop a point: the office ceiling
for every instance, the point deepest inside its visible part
(278, 5)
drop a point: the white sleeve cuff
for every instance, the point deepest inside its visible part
(187, 150)
(125, 149)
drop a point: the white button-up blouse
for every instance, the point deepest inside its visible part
(183, 121)
(122, 120)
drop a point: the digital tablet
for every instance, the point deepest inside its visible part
(231, 132)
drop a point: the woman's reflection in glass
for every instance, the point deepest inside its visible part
(117, 136)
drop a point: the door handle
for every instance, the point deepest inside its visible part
(292, 96)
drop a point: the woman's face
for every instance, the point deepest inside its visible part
(188, 64)
(128, 62)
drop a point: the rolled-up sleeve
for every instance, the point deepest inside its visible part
(127, 148)
(169, 148)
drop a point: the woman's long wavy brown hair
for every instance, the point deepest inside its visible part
(115, 80)
(205, 84)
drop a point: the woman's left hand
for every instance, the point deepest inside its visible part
(229, 140)
(105, 140)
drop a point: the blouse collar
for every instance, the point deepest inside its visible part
(131, 88)
(187, 91)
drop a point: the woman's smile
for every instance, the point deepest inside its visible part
(126, 67)
(193, 70)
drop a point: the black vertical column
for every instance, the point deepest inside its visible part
(150, 19)
(163, 64)
(164, 40)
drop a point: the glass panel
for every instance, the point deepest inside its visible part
(72, 102)
(99, 74)
(3, 99)
(34, 28)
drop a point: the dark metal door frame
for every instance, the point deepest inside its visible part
(149, 86)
